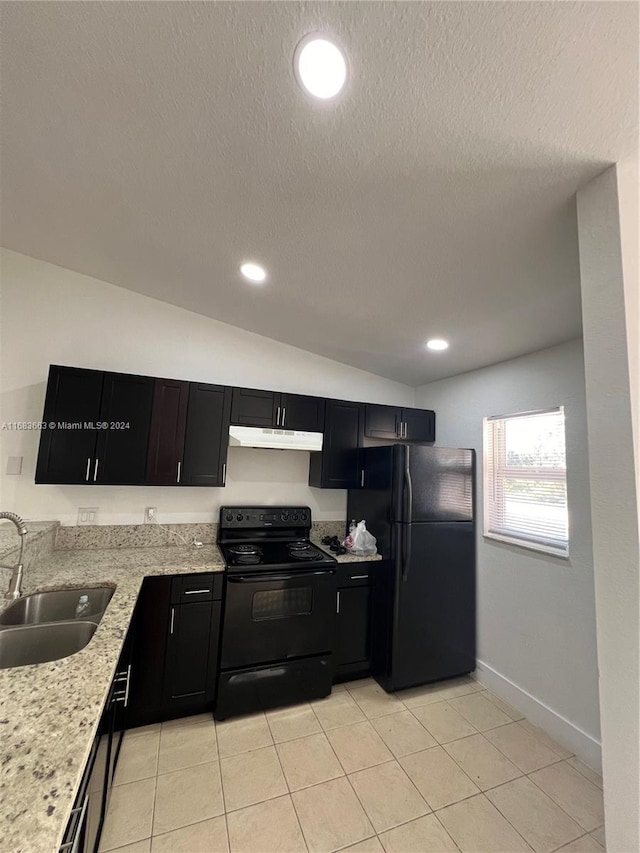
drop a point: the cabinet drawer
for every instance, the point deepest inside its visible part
(355, 574)
(186, 589)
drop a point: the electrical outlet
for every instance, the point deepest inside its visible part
(150, 513)
(14, 465)
(87, 514)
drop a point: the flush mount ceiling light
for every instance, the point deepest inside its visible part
(253, 273)
(320, 67)
(437, 344)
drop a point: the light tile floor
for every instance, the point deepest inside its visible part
(447, 768)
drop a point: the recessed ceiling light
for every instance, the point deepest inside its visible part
(320, 67)
(254, 273)
(437, 344)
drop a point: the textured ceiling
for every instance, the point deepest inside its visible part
(157, 145)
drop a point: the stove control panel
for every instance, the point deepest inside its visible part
(260, 517)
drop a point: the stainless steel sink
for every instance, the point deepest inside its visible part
(41, 643)
(58, 605)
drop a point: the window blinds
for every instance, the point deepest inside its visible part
(525, 479)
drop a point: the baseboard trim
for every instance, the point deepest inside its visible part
(572, 737)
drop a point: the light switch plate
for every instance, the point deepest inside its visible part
(87, 515)
(14, 465)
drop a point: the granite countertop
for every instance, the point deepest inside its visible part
(49, 712)
(345, 558)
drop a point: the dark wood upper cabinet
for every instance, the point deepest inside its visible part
(297, 411)
(207, 436)
(67, 449)
(393, 422)
(107, 428)
(121, 451)
(382, 421)
(250, 407)
(167, 433)
(419, 424)
(278, 410)
(336, 465)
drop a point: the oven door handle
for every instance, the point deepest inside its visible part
(271, 578)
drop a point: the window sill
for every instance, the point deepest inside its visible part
(539, 547)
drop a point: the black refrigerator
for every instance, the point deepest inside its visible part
(418, 501)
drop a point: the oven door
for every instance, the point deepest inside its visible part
(277, 617)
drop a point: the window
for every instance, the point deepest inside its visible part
(525, 481)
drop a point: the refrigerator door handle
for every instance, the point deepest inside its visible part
(406, 550)
(408, 491)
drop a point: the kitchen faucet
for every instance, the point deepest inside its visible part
(15, 584)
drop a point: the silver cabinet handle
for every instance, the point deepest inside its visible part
(179, 472)
(224, 473)
(74, 845)
(338, 602)
(95, 471)
(358, 577)
(284, 415)
(126, 692)
(278, 417)
(173, 614)
(88, 467)
(196, 591)
(362, 478)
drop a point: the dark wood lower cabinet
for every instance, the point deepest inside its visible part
(192, 657)
(354, 620)
(176, 631)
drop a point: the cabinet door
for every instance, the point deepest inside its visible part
(298, 411)
(381, 421)
(250, 407)
(191, 654)
(67, 450)
(419, 424)
(166, 436)
(121, 453)
(336, 466)
(150, 627)
(353, 626)
(207, 438)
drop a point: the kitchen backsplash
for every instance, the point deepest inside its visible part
(153, 535)
(39, 541)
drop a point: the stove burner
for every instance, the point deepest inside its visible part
(247, 559)
(302, 551)
(299, 546)
(245, 550)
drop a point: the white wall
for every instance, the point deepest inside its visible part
(608, 260)
(536, 615)
(54, 316)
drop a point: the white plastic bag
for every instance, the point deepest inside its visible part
(363, 544)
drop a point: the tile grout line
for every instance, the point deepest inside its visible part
(224, 803)
(286, 782)
(554, 801)
(482, 794)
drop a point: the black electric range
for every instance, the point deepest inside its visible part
(279, 610)
(261, 539)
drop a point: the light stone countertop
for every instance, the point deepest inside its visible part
(49, 712)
